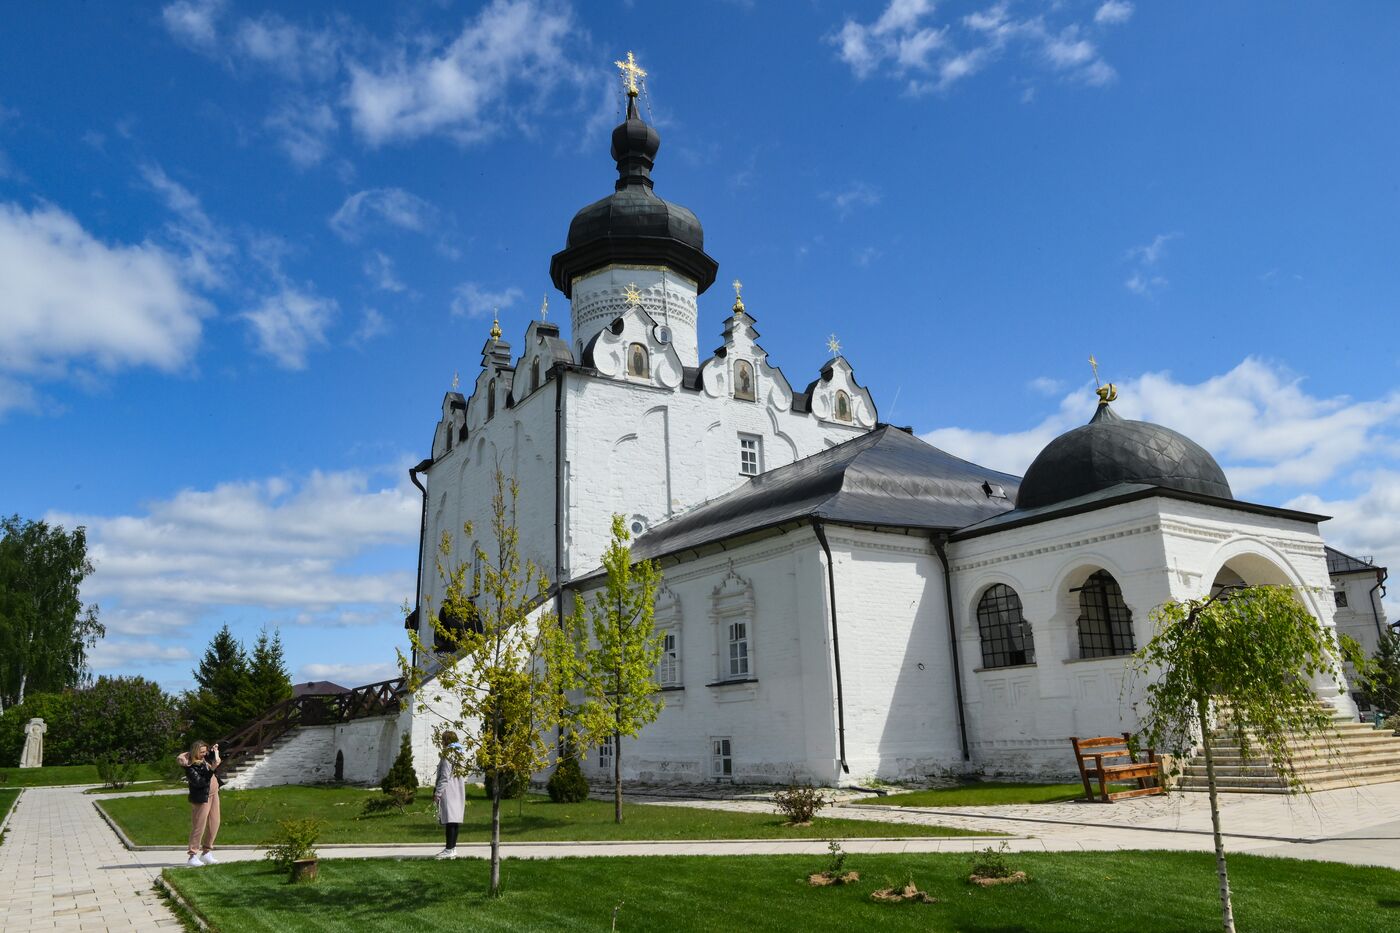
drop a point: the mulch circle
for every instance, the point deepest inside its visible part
(823, 878)
(1013, 878)
(909, 894)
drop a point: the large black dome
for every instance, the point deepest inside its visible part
(1108, 451)
(632, 225)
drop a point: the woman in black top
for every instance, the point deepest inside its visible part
(200, 763)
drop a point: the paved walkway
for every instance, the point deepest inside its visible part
(62, 867)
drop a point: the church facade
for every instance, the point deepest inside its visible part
(841, 601)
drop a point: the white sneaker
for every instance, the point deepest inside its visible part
(446, 853)
(208, 859)
(194, 862)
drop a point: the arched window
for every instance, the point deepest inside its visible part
(1006, 635)
(638, 363)
(1105, 621)
(491, 400)
(843, 406)
(535, 374)
(743, 381)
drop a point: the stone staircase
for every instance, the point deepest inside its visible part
(246, 764)
(1354, 754)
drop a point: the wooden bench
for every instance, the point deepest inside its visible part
(1096, 760)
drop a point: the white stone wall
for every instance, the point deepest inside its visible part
(1358, 617)
(368, 748)
(308, 757)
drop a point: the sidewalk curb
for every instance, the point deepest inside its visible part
(186, 906)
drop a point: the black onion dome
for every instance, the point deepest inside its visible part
(632, 225)
(1108, 451)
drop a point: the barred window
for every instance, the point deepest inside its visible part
(1105, 621)
(1006, 635)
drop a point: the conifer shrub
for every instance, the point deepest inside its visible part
(401, 775)
(567, 784)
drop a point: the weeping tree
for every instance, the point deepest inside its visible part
(614, 647)
(1241, 661)
(499, 670)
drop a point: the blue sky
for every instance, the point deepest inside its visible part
(245, 248)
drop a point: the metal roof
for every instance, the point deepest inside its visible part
(1339, 563)
(885, 478)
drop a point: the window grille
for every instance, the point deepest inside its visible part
(1105, 621)
(1341, 598)
(668, 670)
(1006, 635)
(721, 759)
(738, 649)
(605, 754)
(750, 455)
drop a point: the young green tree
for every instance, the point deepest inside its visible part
(501, 668)
(614, 654)
(268, 682)
(1379, 675)
(45, 630)
(218, 706)
(1248, 655)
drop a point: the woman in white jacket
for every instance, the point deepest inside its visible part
(450, 792)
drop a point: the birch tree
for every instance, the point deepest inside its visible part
(614, 654)
(1242, 661)
(498, 665)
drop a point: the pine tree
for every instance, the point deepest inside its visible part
(268, 681)
(217, 709)
(401, 774)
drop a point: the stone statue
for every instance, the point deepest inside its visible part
(33, 754)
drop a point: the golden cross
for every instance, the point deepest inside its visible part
(544, 308)
(632, 295)
(834, 346)
(738, 295)
(1095, 363)
(631, 71)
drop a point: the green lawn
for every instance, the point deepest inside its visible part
(8, 796)
(57, 775)
(250, 817)
(1146, 892)
(984, 793)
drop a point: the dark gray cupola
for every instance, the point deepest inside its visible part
(1110, 450)
(632, 226)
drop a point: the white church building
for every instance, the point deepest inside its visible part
(841, 600)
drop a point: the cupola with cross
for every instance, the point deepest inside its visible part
(632, 237)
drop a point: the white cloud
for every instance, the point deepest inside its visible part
(194, 22)
(1045, 385)
(303, 130)
(205, 244)
(294, 52)
(1143, 279)
(461, 88)
(907, 43)
(1367, 525)
(392, 206)
(379, 269)
(1266, 431)
(1113, 13)
(70, 297)
(290, 323)
(472, 300)
(856, 194)
(349, 675)
(372, 325)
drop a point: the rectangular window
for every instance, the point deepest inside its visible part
(721, 759)
(750, 454)
(605, 755)
(738, 650)
(1341, 597)
(668, 669)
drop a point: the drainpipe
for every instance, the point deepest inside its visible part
(559, 494)
(413, 472)
(835, 644)
(1381, 576)
(940, 542)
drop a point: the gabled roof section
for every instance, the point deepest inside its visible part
(886, 478)
(1339, 563)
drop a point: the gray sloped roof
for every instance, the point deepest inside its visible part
(1339, 563)
(887, 477)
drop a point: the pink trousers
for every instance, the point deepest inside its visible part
(205, 821)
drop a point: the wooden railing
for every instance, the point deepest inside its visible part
(376, 699)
